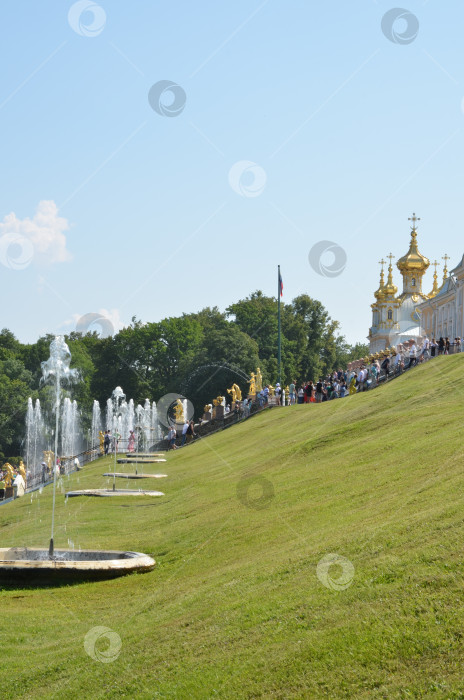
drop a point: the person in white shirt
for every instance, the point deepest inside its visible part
(412, 355)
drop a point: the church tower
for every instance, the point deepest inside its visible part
(396, 319)
(413, 266)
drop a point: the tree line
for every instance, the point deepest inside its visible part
(197, 355)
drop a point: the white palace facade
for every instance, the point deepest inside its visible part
(412, 314)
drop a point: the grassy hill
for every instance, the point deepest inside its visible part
(235, 607)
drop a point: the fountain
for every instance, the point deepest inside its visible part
(120, 419)
(31, 562)
(36, 442)
(96, 424)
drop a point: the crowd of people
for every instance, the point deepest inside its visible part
(366, 374)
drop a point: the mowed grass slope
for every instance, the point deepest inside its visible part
(234, 608)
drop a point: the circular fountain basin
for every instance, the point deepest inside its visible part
(121, 475)
(31, 563)
(139, 461)
(114, 492)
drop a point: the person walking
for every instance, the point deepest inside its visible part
(106, 441)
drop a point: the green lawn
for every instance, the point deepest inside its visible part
(234, 607)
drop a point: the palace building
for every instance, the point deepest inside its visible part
(396, 318)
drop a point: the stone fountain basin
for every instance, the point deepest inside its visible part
(114, 492)
(134, 460)
(144, 454)
(87, 563)
(121, 475)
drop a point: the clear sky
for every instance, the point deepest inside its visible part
(294, 122)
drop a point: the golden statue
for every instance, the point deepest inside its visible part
(101, 438)
(22, 470)
(179, 411)
(218, 401)
(271, 390)
(49, 458)
(252, 389)
(235, 392)
(259, 380)
(9, 475)
(207, 408)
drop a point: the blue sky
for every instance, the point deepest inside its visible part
(109, 207)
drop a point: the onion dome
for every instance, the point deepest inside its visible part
(435, 288)
(390, 290)
(413, 260)
(379, 294)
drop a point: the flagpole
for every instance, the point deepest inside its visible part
(278, 324)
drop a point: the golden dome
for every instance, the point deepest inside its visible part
(379, 294)
(435, 288)
(413, 260)
(389, 289)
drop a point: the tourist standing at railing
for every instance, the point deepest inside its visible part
(425, 348)
(319, 391)
(441, 346)
(412, 355)
(433, 347)
(447, 346)
(184, 433)
(352, 386)
(386, 366)
(292, 389)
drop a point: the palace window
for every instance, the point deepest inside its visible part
(413, 283)
(390, 315)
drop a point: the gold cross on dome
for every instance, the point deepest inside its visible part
(445, 257)
(435, 264)
(382, 262)
(414, 218)
(392, 257)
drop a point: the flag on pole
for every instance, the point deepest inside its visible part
(281, 285)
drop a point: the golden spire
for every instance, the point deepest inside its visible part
(435, 289)
(445, 269)
(389, 289)
(413, 260)
(379, 294)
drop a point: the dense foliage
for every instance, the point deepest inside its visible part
(199, 355)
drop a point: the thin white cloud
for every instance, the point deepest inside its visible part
(45, 231)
